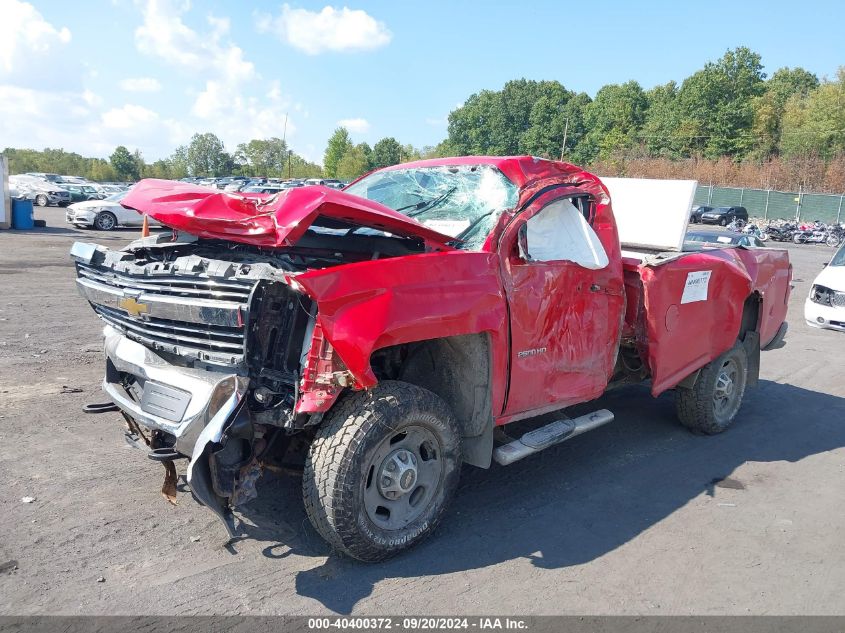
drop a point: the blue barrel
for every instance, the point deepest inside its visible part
(22, 215)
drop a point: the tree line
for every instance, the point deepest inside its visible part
(726, 121)
(205, 155)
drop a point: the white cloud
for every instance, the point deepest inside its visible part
(129, 117)
(140, 84)
(165, 35)
(327, 30)
(358, 126)
(24, 32)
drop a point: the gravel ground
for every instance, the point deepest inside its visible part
(624, 520)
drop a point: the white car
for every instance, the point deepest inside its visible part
(105, 215)
(825, 307)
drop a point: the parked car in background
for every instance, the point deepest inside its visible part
(80, 193)
(268, 188)
(696, 211)
(108, 190)
(104, 215)
(724, 215)
(43, 192)
(825, 306)
(45, 176)
(714, 237)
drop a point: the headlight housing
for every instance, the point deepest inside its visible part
(821, 295)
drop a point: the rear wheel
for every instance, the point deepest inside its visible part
(712, 404)
(105, 221)
(799, 238)
(832, 240)
(381, 470)
(41, 200)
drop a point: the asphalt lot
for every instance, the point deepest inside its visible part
(623, 520)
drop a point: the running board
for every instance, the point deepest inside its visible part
(549, 435)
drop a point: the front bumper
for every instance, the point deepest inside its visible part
(712, 219)
(825, 317)
(196, 395)
(73, 216)
(197, 408)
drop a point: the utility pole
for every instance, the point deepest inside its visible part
(565, 131)
(285, 143)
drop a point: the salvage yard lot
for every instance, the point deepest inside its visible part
(635, 518)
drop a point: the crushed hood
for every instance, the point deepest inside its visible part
(275, 221)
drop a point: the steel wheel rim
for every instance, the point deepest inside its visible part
(402, 477)
(105, 222)
(728, 389)
(41, 201)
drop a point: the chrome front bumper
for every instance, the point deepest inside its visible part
(209, 394)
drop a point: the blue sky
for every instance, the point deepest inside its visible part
(149, 73)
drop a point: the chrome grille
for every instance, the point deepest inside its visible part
(171, 285)
(838, 299)
(197, 317)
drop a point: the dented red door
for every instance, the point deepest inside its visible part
(565, 324)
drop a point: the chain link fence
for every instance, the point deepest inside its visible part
(770, 204)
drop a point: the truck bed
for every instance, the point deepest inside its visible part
(686, 308)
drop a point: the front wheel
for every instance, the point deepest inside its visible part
(713, 402)
(723, 222)
(832, 240)
(381, 470)
(799, 238)
(105, 221)
(764, 237)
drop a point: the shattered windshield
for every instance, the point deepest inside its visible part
(463, 201)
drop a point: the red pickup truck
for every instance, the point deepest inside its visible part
(380, 336)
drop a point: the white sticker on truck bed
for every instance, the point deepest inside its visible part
(696, 287)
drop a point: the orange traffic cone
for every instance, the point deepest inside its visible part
(145, 227)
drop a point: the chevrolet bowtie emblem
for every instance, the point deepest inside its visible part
(132, 306)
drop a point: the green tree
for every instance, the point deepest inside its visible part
(547, 121)
(473, 126)
(263, 157)
(716, 105)
(815, 124)
(179, 162)
(662, 119)
(387, 152)
(298, 167)
(353, 163)
(125, 165)
(207, 156)
(770, 106)
(339, 144)
(614, 118)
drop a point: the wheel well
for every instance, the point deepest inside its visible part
(456, 368)
(750, 314)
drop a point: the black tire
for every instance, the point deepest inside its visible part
(105, 221)
(723, 222)
(41, 200)
(345, 464)
(702, 408)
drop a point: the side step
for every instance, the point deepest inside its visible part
(549, 435)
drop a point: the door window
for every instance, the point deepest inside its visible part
(559, 232)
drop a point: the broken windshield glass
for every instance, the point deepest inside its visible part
(459, 200)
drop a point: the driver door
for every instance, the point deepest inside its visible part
(566, 303)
